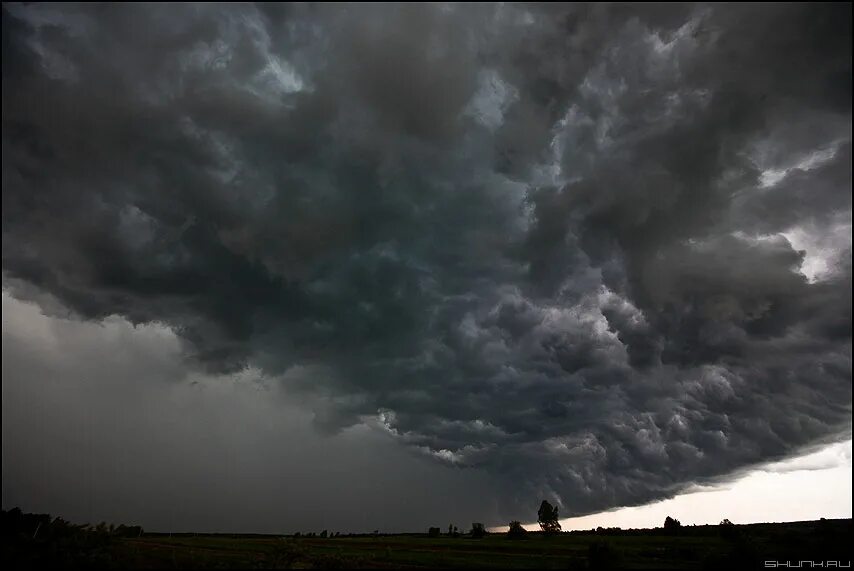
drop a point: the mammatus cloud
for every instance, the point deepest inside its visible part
(602, 252)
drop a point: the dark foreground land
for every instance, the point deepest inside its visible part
(700, 547)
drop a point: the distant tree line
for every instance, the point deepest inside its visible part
(477, 531)
(548, 518)
(37, 540)
(687, 530)
(325, 534)
(17, 523)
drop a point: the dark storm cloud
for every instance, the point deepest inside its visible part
(552, 242)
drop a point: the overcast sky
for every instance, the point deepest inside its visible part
(294, 267)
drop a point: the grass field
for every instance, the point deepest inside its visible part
(693, 548)
(61, 545)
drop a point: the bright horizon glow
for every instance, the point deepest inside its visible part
(809, 487)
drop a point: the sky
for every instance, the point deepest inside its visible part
(807, 487)
(282, 268)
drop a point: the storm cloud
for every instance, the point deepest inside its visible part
(598, 252)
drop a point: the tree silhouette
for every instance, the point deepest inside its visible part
(516, 529)
(547, 515)
(671, 524)
(478, 530)
(728, 530)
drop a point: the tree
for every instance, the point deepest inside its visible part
(478, 530)
(728, 530)
(516, 530)
(324, 534)
(671, 524)
(434, 532)
(547, 515)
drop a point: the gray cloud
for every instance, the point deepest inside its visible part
(116, 429)
(553, 244)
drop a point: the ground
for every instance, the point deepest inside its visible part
(702, 547)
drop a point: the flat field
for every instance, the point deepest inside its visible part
(700, 547)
